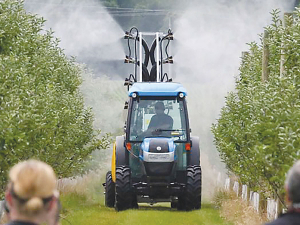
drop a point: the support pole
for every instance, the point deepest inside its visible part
(170, 27)
(157, 57)
(141, 56)
(265, 58)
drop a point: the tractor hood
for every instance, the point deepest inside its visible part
(158, 150)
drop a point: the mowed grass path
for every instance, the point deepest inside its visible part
(77, 210)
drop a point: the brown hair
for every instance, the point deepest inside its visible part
(33, 184)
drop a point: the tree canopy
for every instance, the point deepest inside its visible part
(258, 133)
(42, 112)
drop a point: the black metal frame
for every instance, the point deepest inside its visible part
(171, 189)
(149, 54)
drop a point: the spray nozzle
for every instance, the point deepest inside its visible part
(168, 60)
(128, 35)
(169, 36)
(129, 59)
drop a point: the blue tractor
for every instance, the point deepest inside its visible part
(157, 159)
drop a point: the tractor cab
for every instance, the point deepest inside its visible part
(157, 123)
(157, 110)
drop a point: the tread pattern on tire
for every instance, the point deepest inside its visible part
(192, 197)
(109, 191)
(124, 195)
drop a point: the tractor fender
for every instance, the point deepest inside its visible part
(119, 157)
(194, 153)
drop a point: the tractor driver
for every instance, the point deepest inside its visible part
(160, 123)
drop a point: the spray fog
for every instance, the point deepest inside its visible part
(211, 36)
(209, 39)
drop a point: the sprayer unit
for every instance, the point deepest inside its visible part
(145, 71)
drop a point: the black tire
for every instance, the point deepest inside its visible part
(124, 195)
(192, 195)
(109, 191)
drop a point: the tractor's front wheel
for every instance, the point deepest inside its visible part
(124, 195)
(109, 191)
(192, 195)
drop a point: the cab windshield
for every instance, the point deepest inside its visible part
(158, 118)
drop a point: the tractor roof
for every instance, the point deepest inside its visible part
(157, 89)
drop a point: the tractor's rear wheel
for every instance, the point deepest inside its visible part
(192, 197)
(124, 195)
(109, 191)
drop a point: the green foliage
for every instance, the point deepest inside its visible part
(258, 132)
(42, 113)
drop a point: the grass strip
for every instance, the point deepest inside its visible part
(78, 210)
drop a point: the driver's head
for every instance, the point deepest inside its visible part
(159, 108)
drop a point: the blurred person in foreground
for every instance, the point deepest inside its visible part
(292, 187)
(31, 197)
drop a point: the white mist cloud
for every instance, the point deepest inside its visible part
(85, 28)
(210, 37)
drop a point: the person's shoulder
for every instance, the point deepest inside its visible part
(287, 219)
(154, 117)
(19, 223)
(278, 221)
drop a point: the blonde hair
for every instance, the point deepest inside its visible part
(32, 182)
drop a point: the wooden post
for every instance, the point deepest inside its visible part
(263, 203)
(248, 193)
(282, 54)
(281, 203)
(240, 188)
(265, 58)
(245, 191)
